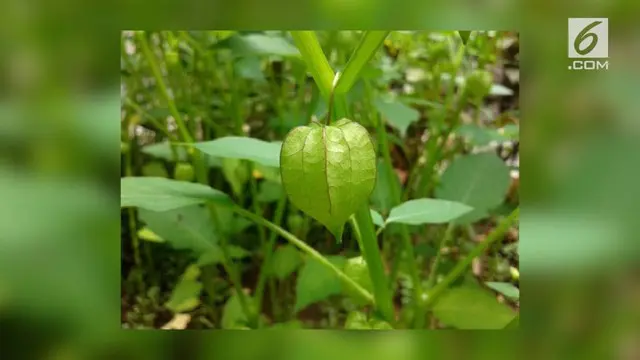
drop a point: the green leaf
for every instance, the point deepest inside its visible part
(237, 174)
(356, 268)
(260, 44)
(184, 228)
(470, 307)
(506, 289)
(186, 295)
(148, 235)
(232, 315)
(250, 68)
(269, 191)
(286, 259)
(244, 148)
(328, 172)
(382, 196)
(216, 256)
(162, 150)
(500, 90)
(480, 136)
(397, 114)
(160, 194)
(427, 211)
(377, 218)
(316, 282)
(479, 180)
(371, 41)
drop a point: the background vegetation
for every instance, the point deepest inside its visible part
(444, 117)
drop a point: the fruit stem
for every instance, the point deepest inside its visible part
(333, 87)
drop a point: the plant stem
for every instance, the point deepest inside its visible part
(364, 294)
(201, 173)
(371, 253)
(262, 279)
(436, 262)
(496, 235)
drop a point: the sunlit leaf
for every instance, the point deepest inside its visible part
(427, 211)
(316, 282)
(160, 194)
(470, 307)
(245, 148)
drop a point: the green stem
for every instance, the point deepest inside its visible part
(436, 262)
(364, 294)
(496, 235)
(201, 172)
(371, 253)
(262, 279)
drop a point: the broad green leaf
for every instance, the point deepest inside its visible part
(316, 282)
(269, 191)
(216, 256)
(328, 172)
(397, 114)
(250, 68)
(260, 44)
(356, 268)
(286, 259)
(470, 307)
(382, 196)
(480, 136)
(184, 228)
(377, 218)
(160, 194)
(245, 148)
(371, 41)
(479, 180)
(237, 174)
(232, 315)
(506, 289)
(427, 211)
(186, 295)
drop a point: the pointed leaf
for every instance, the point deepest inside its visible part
(397, 114)
(184, 228)
(316, 282)
(186, 295)
(377, 218)
(470, 307)
(160, 194)
(328, 172)
(286, 259)
(244, 148)
(427, 211)
(506, 289)
(479, 180)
